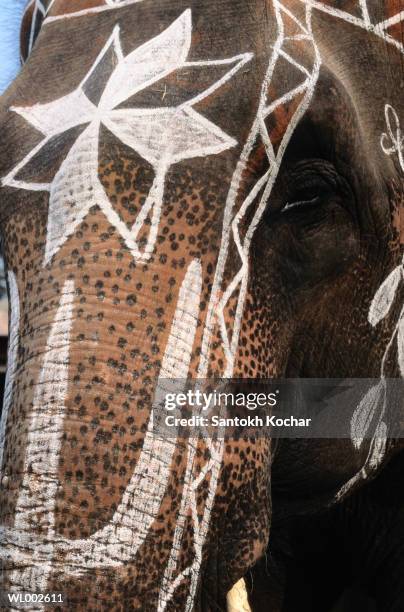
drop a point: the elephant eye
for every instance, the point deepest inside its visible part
(310, 185)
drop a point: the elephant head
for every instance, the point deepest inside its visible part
(189, 191)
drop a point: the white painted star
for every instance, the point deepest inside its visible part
(163, 136)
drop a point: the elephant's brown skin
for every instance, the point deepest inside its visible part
(313, 272)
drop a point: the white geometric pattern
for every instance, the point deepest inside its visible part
(380, 29)
(200, 526)
(230, 337)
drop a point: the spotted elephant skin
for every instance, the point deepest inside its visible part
(189, 190)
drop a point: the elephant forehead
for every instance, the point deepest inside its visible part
(181, 147)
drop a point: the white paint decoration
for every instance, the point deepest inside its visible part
(393, 141)
(36, 501)
(379, 29)
(38, 12)
(150, 62)
(119, 540)
(12, 356)
(107, 6)
(369, 408)
(377, 399)
(378, 448)
(220, 297)
(373, 405)
(116, 549)
(400, 343)
(385, 296)
(163, 135)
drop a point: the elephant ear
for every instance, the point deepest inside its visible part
(365, 413)
(384, 297)
(400, 343)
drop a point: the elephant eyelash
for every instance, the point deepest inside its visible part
(308, 191)
(301, 203)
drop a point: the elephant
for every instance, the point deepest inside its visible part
(196, 191)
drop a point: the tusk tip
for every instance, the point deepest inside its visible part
(237, 600)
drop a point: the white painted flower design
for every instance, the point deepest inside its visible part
(370, 412)
(162, 135)
(392, 141)
(380, 308)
